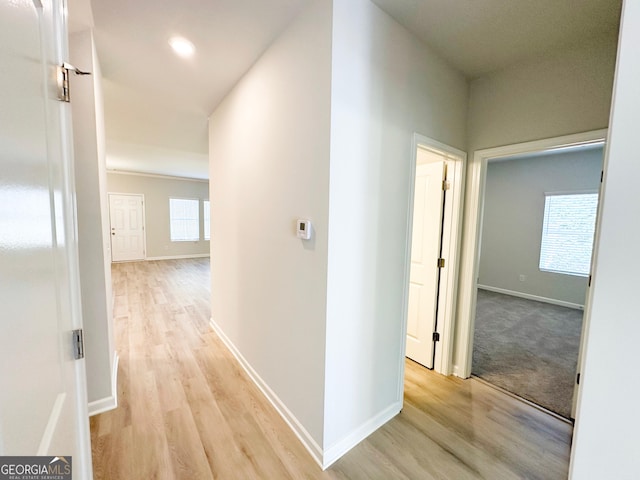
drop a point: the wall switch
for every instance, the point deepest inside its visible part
(523, 277)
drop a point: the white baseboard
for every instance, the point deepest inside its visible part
(338, 449)
(110, 402)
(528, 296)
(302, 434)
(179, 257)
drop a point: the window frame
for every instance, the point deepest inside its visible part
(206, 220)
(197, 220)
(548, 195)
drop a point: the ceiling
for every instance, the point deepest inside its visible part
(157, 104)
(480, 36)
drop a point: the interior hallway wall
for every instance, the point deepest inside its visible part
(560, 93)
(386, 86)
(331, 108)
(605, 441)
(93, 224)
(269, 165)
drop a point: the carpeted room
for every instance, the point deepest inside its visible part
(533, 270)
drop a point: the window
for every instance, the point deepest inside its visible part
(184, 219)
(205, 216)
(567, 233)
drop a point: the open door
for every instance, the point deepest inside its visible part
(425, 252)
(43, 405)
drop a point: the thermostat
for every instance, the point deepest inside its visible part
(303, 229)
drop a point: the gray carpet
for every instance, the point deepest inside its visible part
(528, 348)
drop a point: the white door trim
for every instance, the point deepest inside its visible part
(456, 160)
(473, 226)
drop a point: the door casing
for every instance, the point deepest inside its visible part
(468, 282)
(456, 163)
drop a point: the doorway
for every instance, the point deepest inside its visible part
(470, 270)
(435, 212)
(126, 215)
(539, 212)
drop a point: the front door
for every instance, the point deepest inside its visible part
(43, 401)
(126, 213)
(425, 251)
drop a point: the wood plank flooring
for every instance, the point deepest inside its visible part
(187, 410)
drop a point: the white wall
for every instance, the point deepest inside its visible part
(564, 92)
(386, 85)
(269, 164)
(513, 217)
(93, 222)
(157, 190)
(605, 441)
(305, 134)
(156, 160)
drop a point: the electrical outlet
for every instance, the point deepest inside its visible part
(523, 277)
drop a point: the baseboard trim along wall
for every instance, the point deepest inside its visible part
(528, 296)
(179, 257)
(338, 449)
(329, 456)
(110, 402)
(302, 434)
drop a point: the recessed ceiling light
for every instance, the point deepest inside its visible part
(182, 46)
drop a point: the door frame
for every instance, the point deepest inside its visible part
(473, 227)
(144, 226)
(451, 236)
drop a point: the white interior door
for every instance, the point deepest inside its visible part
(126, 213)
(425, 251)
(43, 403)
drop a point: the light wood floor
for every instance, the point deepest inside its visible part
(188, 411)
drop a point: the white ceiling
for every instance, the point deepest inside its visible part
(155, 99)
(157, 104)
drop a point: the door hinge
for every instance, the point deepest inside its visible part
(78, 344)
(436, 337)
(63, 80)
(601, 176)
(578, 379)
(441, 263)
(589, 283)
(445, 185)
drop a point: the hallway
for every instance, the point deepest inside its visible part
(187, 410)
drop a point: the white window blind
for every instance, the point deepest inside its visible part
(184, 219)
(567, 233)
(206, 216)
